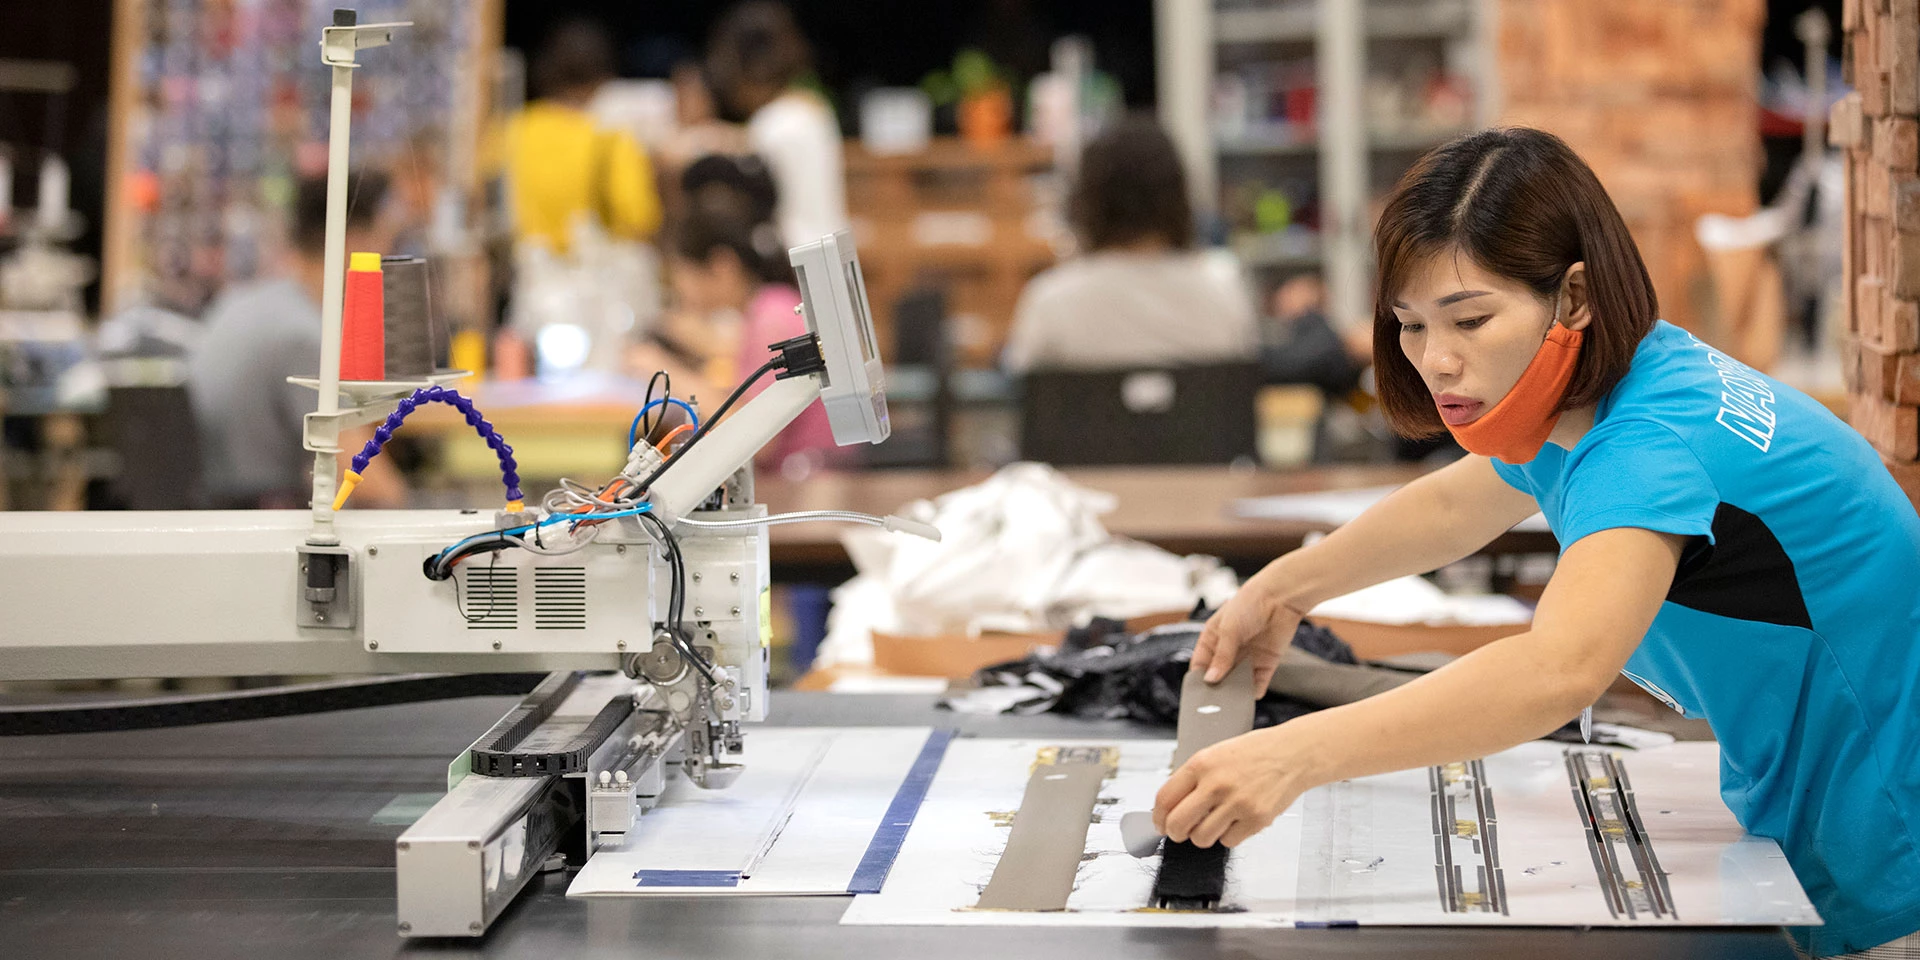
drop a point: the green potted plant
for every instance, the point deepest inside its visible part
(979, 93)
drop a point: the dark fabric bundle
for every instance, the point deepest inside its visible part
(1101, 671)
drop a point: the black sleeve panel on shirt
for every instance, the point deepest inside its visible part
(1743, 574)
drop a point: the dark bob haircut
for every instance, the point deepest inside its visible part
(1131, 186)
(739, 185)
(756, 51)
(707, 230)
(366, 191)
(577, 56)
(1522, 205)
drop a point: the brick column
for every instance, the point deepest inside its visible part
(1879, 126)
(1659, 97)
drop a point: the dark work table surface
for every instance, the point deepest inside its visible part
(267, 838)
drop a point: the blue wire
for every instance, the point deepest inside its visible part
(579, 518)
(633, 432)
(576, 518)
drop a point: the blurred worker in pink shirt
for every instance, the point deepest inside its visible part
(722, 264)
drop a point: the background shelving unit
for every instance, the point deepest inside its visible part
(1308, 111)
(978, 222)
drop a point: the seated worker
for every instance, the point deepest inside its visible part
(255, 335)
(722, 266)
(726, 187)
(737, 189)
(561, 166)
(584, 202)
(1137, 295)
(1728, 544)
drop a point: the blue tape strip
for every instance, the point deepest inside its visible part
(687, 878)
(1324, 924)
(878, 861)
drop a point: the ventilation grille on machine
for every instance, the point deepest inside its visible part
(560, 598)
(491, 598)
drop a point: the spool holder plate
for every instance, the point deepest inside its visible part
(363, 402)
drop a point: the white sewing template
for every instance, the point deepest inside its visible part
(803, 819)
(1543, 834)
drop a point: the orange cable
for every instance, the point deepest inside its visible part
(671, 434)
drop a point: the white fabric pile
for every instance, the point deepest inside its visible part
(1022, 550)
(1415, 600)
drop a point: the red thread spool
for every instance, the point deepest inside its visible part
(363, 323)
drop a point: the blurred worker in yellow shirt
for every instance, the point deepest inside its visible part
(586, 280)
(560, 164)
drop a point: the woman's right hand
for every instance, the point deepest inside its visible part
(1256, 624)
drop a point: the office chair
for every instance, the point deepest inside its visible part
(1176, 415)
(921, 427)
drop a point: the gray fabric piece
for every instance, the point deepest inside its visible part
(1310, 680)
(1190, 877)
(1048, 837)
(1210, 713)
(1304, 677)
(1425, 661)
(249, 417)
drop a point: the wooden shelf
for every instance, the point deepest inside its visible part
(956, 215)
(951, 152)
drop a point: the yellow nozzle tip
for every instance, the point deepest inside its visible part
(347, 483)
(364, 261)
(515, 506)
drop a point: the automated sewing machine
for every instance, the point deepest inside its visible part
(646, 596)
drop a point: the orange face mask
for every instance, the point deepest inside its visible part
(1517, 427)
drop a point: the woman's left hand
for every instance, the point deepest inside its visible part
(1233, 789)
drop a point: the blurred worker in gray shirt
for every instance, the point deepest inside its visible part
(257, 334)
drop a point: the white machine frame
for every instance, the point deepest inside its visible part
(225, 593)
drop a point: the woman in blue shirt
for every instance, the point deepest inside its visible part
(1728, 544)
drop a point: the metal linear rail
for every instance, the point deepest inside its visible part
(1623, 857)
(1451, 784)
(463, 862)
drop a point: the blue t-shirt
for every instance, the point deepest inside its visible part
(1793, 623)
